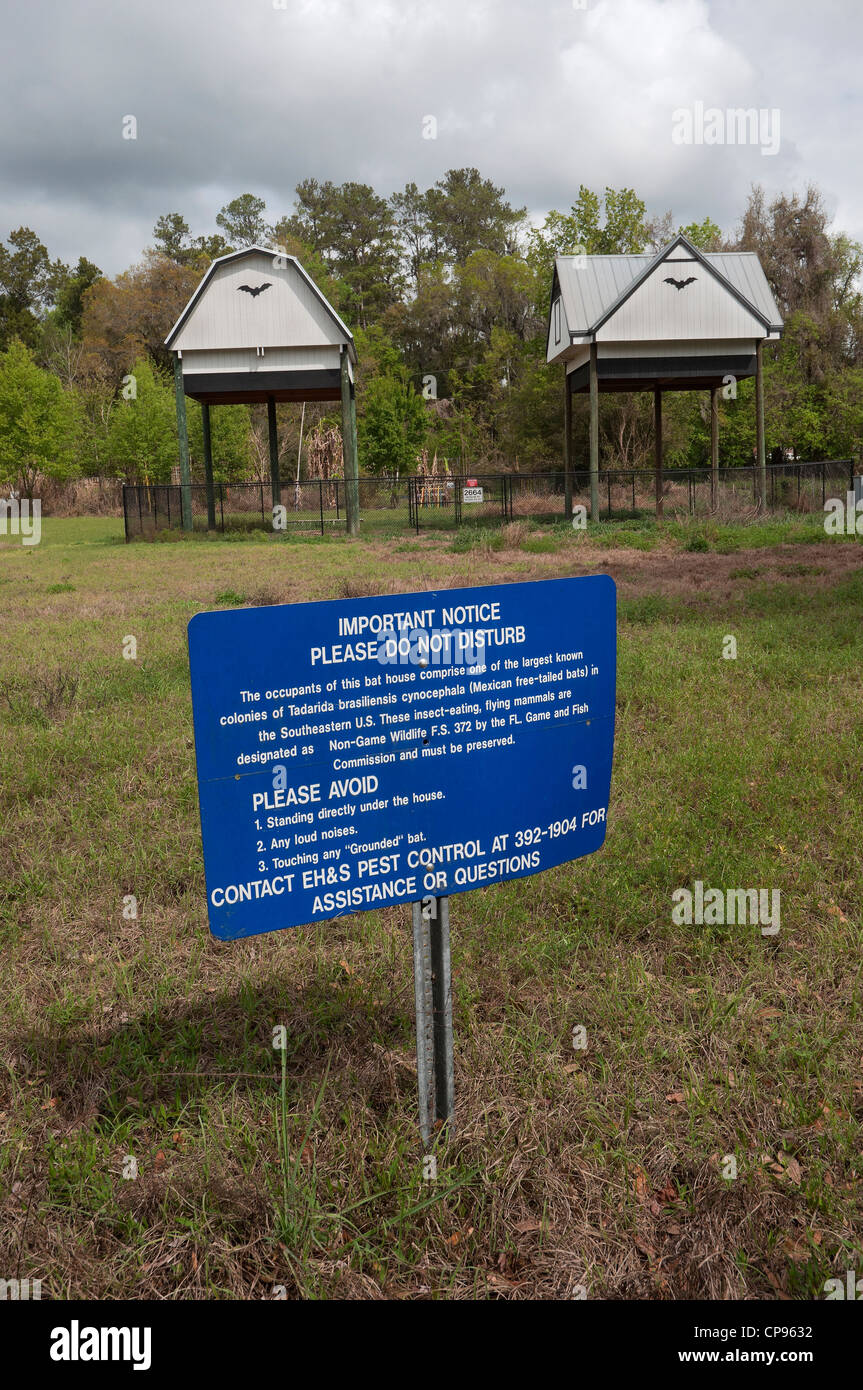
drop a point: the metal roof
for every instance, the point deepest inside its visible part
(594, 287)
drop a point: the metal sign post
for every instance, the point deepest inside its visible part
(433, 994)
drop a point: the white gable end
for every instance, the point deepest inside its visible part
(558, 330)
(287, 311)
(697, 306)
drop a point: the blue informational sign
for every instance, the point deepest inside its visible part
(360, 753)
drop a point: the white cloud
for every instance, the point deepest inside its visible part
(234, 96)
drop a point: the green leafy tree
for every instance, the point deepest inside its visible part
(69, 310)
(467, 213)
(354, 232)
(171, 235)
(38, 421)
(392, 425)
(706, 235)
(615, 224)
(29, 282)
(142, 432)
(230, 438)
(243, 221)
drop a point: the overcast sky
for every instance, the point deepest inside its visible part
(234, 96)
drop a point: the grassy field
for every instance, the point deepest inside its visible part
(153, 1143)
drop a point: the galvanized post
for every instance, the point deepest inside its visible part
(321, 495)
(433, 1001)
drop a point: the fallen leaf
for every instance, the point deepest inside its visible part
(525, 1227)
(645, 1249)
(641, 1184)
(792, 1169)
(675, 1098)
(768, 1013)
(159, 1160)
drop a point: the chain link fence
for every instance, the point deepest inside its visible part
(393, 505)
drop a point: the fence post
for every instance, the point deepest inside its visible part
(633, 492)
(321, 496)
(222, 504)
(823, 484)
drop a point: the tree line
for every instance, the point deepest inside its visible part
(447, 293)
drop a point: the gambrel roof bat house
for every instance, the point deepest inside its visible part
(680, 320)
(258, 327)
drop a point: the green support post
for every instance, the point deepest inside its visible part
(594, 434)
(349, 448)
(714, 448)
(183, 438)
(208, 466)
(567, 446)
(759, 430)
(273, 431)
(657, 448)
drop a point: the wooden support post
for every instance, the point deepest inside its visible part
(594, 434)
(349, 448)
(714, 447)
(759, 430)
(273, 432)
(208, 466)
(657, 447)
(567, 447)
(183, 440)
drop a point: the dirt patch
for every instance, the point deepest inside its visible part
(677, 574)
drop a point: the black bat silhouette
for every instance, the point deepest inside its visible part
(258, 289)
(679, 284)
